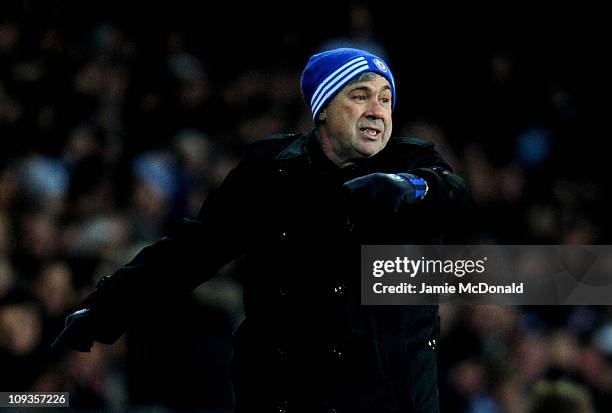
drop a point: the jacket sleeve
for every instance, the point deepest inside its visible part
(443, 208)
(189, 254)
(446, 189)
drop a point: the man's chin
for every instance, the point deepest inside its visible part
(369, 149)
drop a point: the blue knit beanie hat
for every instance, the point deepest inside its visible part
(326, 73)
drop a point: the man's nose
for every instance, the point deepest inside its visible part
(375, 109)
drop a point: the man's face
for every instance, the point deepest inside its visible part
(358, 120)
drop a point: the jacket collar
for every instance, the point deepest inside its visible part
(307, 148)
(299, 147)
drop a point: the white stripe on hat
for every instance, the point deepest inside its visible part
(340, 77)
(338, 84)
(336, 73)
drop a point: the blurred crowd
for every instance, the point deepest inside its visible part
(112, 129)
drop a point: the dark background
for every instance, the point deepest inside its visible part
(117, 119)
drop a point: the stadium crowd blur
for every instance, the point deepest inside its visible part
(111, 128)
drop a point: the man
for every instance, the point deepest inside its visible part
(299, 207)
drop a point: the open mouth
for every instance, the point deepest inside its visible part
(370, 131)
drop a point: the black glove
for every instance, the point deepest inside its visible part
(77, 332)
(387, 192)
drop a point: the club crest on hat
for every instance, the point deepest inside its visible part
(379, 63)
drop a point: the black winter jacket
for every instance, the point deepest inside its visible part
(307, 344)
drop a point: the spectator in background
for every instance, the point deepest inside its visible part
(20, 337)
(361, 30)
(560, 397)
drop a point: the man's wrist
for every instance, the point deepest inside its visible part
(419, 184)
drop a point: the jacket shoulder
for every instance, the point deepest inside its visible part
(270, 146)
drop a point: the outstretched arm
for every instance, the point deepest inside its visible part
(415, 191)
(189, 254)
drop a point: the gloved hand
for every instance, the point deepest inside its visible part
(77, 332)
(387, 192)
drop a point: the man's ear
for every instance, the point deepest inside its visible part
(322, 116)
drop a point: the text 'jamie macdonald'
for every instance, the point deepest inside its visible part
(447, 289)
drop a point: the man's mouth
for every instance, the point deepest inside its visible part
(370, 131)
